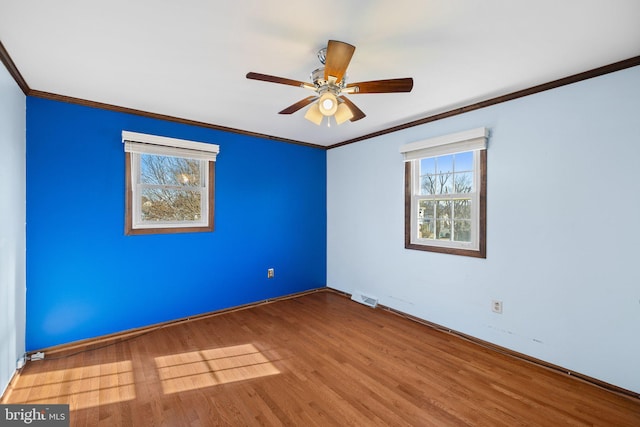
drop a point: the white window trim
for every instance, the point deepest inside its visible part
(153, 144)
(471, 140)
(138, 143)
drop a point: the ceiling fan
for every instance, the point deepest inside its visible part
(329, 84)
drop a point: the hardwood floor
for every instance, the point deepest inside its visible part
(318, 359)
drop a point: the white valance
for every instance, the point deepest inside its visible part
(470, 140)
(164, 146)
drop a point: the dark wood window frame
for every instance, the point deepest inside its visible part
(481, 252)
(128, 220)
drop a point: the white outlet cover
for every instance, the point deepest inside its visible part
(496, 306)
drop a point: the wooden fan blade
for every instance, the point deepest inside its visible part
(383, 86)
(357, 113)
(337, 59)
(274, 79)
(298, 105)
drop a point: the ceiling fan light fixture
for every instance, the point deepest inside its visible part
(313, 114)
(328, 104)
(343, 113)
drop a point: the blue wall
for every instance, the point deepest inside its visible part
(85, 278)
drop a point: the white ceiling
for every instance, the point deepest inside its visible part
(189, 58)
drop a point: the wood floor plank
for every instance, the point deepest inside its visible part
(315, 360)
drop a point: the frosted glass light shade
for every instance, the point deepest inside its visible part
(313, 114)
(328, 104)
(343, 113)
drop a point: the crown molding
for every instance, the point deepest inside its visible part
(13, 70)
(596, 72)
(117, 108)
(616, 66)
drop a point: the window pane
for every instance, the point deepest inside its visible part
(443, 183)
(164, 170)
(162, 204)
(444, 164)
(427, 165)
(443, 220)
(462, 230)
(464, 161)
(462, 209)
(428, 184)
(463, 182)
(436, 184)
(426, 219)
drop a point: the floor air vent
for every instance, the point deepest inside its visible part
(369, 300)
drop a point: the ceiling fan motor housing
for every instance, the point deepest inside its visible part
(317, 77)
(328, 90)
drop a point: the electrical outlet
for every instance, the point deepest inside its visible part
(271, 273)
(496, 306)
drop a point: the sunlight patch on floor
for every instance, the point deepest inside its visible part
(207, 368)
(81, 387)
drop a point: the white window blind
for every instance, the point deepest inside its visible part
(470, 140)
(161, 145)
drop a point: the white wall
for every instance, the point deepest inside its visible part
(563, 229)
(12, 225)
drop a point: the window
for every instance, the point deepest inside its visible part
(445, 194)
(169, 184)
